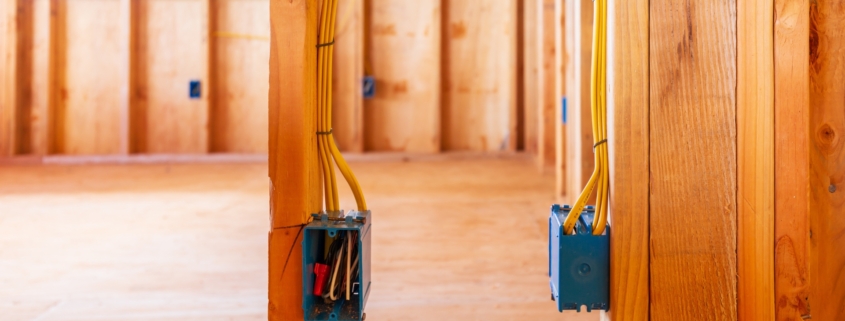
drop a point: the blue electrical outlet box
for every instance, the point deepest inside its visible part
(579, 264)
(195, 89)
(317, 240)
(369, 87)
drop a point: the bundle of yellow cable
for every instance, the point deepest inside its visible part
(598, 102)
(326, 148)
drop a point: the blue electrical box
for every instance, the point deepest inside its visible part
(369, 87)
(195, 89)
(319, 236)
(579, 264)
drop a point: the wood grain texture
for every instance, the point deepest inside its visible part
(579, 129)
(39, 81)
(404, 48)
(294, 174)
(173, 40)
(481, 75)
(548, 90)
(561, 58)
(755, 160)
(531, 72)
(241, 51)
(348, 73)
(88, 82)
(693, 208)
(628, 141)
(827, 160)
(8, 76)
(792, 159)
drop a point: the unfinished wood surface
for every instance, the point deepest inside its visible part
(792, 159)
(693, 165)
(8, 76)
(295, 189)
(40, 131)
(548, 90)
(87, 76)
(755, 160)
(173, 46)
(241, 51)
(403, 50)
(579, 129)
(560, 91)
(532, 56)
(481, 77)
(628, 141)
(827, 160)
(178, 242)
(348, 74)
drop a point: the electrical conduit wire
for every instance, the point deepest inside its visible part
(600, 179)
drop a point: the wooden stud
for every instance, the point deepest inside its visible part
(792, 159)
(692, 61)
(560, 61)
(755, 160)
(481, 79)
(39, 81)
(9, 91)
(295, 189)
(827, 160)
(531, 73)
(348, 74)
(517, 117)
(403, 52)
(579, 136)
(547, 84)
(628, 141)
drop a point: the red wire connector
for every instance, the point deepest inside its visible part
(322, 272)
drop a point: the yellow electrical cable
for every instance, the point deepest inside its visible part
(600, 179)
(326, 148)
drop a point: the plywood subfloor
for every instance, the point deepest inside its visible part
(455, 238)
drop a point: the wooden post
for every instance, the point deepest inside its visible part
(546, 135)
(827, 161)
(560, 61)
(628, 141)
(693, 210)
(579, 136)
(531, 73)
(9, 91)
(755, 160)
(294, 174)
(792, 159)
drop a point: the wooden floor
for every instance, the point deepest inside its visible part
(455, 238)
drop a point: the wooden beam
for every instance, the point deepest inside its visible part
(827, 160)
(755, 160)
(295, 189)
(481, 79)
(39, 81)
(9, 49)
(404, 52)
(579, 132)
(531, 73)
(628, 141)
(560, 65)
(127, 50)
(792, 159)
(548, 91)
(692, 63)
(348, 74)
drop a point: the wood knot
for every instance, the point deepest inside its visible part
(826, 137)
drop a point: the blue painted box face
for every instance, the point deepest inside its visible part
(195, 89)
(579, 264)
(314, 246)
